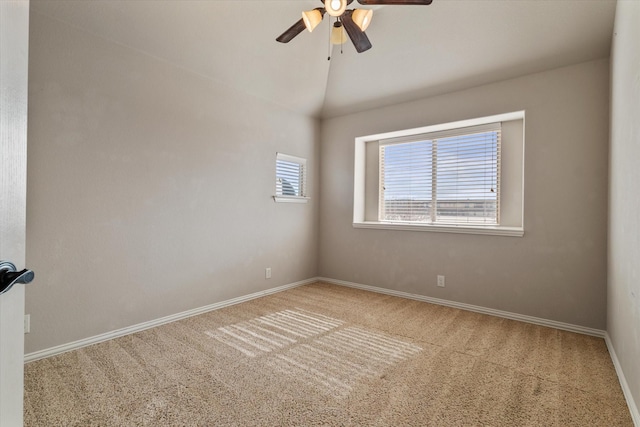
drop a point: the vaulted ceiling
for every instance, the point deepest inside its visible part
(417, 51)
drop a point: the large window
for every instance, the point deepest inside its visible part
(457, 177)
(449, 177)
(291, 179)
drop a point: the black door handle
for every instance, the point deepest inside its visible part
(9, 276)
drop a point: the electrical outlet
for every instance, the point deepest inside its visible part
(267, 273)
(27, 323)
(441, 281)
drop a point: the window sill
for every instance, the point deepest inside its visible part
(290, 199)
(460, 229)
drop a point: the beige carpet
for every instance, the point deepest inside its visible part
(324, 355)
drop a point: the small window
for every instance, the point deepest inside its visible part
(291, 179)
(449, 177)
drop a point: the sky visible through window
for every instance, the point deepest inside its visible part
(466, 173)
(467, 167)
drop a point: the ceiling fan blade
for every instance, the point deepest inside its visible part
(293, 31)
(357, 36)
(396, 2)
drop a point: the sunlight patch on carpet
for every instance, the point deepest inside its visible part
(273, 331)
(317, 350)
(335, 362)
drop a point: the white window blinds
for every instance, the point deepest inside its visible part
(290, 176)
(450, 177)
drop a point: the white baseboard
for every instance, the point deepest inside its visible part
(475, 308)
(635, 414)
(41, 354)
(633, 408)
(48, 352)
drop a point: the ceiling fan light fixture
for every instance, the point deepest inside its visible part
(311, 19)
(338, 35)
(335, 7)
(362, 18)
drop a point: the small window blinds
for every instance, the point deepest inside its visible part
(290, 176)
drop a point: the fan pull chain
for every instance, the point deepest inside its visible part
(341, 34)
(330, 27)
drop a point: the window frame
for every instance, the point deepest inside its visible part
(361, 193)
(303, 197)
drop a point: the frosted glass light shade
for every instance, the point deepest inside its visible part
(338, 35)
(311, 19)
(335, 7)
(362, 18)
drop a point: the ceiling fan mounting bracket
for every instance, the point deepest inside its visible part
(348, 2)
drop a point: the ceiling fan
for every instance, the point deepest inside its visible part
(354, 21)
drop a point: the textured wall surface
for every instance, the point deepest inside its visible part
(623, 298)
(557, 270)
(149, 189)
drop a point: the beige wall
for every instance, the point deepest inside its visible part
(623, 298)
(149, 194)
(149, 189)
(557, 270)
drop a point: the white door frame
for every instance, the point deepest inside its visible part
(14, 55)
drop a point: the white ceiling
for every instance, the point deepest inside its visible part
(417, 51)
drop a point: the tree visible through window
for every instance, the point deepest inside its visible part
(450, 177)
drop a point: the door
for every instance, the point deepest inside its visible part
(14, 47)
